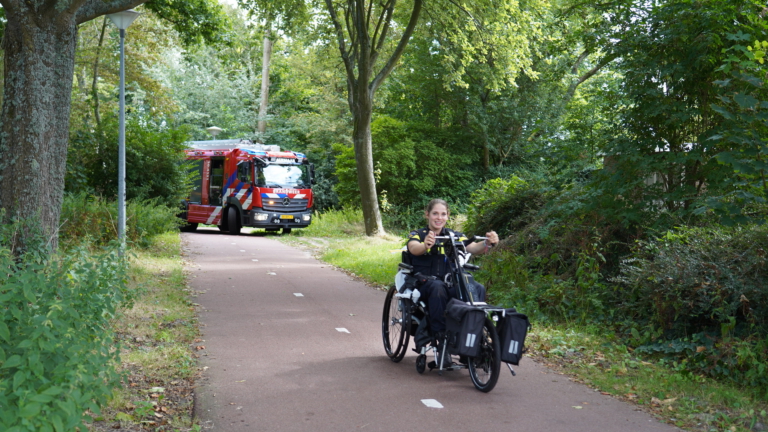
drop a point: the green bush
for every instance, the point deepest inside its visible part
(24, 240)
(410, 168)
(155, 164)
(57, 350)
(694, 279)
(512, 281)
(504, 205)
(88, 219)
(700, 296)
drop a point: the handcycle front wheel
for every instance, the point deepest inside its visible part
(484, 369)
(394, 326)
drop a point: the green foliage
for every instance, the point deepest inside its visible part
(743, 105)
(331, 223)
(740, 360)
(155, 162)
(346, 171)
(24, 239)
(92, 220)
(410, 170)
(503, 205)
(694, 279)
(488, 41)
(660, 162)
(513, 281)
(212, 93)
(56, 347)
(375, 258)
(195, 20)
(288, 16)
(703, 290)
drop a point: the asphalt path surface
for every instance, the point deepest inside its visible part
(292, 344)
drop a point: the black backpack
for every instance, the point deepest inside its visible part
(464, 325)
(514, 327)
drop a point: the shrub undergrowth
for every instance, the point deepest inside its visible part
(92, 220)
(700, 296)
(57, 348)
(693, 296)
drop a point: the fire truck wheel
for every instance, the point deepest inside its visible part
(233, 221)
(286, 230)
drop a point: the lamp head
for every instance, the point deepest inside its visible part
(124, 18)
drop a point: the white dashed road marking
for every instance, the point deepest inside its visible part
(342, 330)
(431, 403)
(298, 294)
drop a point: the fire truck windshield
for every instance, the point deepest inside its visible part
(284, 176)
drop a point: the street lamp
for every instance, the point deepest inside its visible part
(213, 130)
(122, 20)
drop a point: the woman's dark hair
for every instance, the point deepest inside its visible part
(435, 202)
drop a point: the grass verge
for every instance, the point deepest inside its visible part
(157, 337)
(589, 354)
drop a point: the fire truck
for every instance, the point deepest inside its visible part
(243, 184)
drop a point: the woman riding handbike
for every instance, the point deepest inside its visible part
(433, 273)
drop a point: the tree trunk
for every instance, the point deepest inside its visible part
(484, 125)
(265, 61)
(95, 83)
(39, 42)
(39, 64)
(361, 137)
(359, 61)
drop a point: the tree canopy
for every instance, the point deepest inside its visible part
(657, 105)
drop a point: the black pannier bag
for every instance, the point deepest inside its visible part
(514, 328)
(464, 326)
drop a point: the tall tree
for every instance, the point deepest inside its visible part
(362, 29)
(276, 16)
(39, 43)
(661, 160)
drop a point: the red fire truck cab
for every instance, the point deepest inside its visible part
(242, 184)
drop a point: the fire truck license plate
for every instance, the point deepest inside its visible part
(286, 216)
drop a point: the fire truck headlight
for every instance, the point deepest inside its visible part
(271, 202)
(261, 216)
(306, 217)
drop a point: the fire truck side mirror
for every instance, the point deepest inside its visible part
(312, 173)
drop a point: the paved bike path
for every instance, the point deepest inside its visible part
(277, 361)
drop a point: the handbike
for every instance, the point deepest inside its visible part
(405, 315)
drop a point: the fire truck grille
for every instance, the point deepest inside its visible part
(294, 205)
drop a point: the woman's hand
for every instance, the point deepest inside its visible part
(430, 240)
(492, 238)
(420, 248)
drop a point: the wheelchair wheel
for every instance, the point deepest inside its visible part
(484, 369)
(421, 363)
(394, 324)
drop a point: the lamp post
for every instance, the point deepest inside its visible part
(213, 130)
(122, 20)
